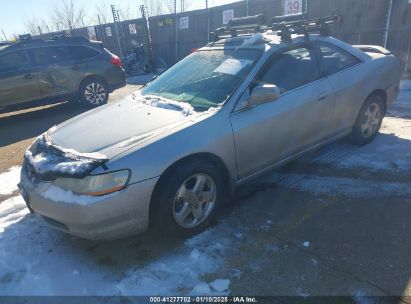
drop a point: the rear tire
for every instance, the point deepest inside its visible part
(93, 92)
(187, 199)
(369, 121)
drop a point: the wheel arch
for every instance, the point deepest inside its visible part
(90, 77)
(382, 93)
(202, 156)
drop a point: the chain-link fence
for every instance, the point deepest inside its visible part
(362, 22)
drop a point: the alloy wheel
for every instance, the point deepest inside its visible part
(194, 200)
(371, 120)
(95, 93)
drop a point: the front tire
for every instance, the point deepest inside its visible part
(187, 199)
(369, 121)
(93, 92)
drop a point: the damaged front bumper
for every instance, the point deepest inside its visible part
(118, 214)
(123, 213)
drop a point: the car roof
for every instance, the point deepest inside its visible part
(30, 43)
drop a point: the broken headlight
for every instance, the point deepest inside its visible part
(95, 185)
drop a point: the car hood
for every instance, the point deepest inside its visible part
(116, 127)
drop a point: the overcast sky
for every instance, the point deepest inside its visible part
(13, 13)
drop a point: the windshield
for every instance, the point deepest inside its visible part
(204, 79)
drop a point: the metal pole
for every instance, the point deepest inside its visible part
(102, 30)
(176, 26)
(208, 21)
(246, 8)
(388, 21)
(5, 37)
(408, 55)
(115, 18)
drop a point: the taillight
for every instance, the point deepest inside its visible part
(115, 60)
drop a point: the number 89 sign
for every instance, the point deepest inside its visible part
(292, 7)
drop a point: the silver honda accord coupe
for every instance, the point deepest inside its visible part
(168, 156)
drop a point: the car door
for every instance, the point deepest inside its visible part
(79, 57)
(342, 70)
(269, 133)
(18, 80)
(59, 70)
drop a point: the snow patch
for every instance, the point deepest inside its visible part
(220, 285)
(254, 39)
(160, 102)
(43, 158)
(201, 289)
(195, 254)
(11, 212)
(57, 194)
(9, 180)
(306, 244)
(37, 260)
(185, 269)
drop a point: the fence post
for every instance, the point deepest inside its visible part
(176, 28)
(102, 30)
(408, 55)
(208, 21)
(387, 22)
(116, 19)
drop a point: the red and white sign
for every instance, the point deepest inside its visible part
(293, 7)
(227, 16)
(91, 33)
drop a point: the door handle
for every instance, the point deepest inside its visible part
(75, 67)
(323, 97)
(28, 76)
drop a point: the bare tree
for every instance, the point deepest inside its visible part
(154, 7)
(32, 26)
(68, 15)
(129, 11)
(168, 6)
(102, 10)
(182, 5)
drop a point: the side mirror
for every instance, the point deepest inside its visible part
(263, 94)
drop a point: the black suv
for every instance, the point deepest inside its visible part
(72, 68)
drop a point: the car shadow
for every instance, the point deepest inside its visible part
(24, 124)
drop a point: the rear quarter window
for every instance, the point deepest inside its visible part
(336, 59)
(81, 52)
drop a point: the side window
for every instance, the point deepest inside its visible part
(58, 54)
(48, 55)
(41, 56)
(13, 61)
(336, 59)
(81, 52)
(291, 69)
